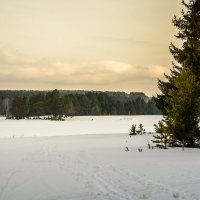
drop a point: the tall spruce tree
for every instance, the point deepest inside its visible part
(19, 107)
(183, 117)
(177, 99)
(37, 105)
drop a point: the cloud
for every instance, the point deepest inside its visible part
(115, 66)
(10, 56)
(127, 41)
(17, 69)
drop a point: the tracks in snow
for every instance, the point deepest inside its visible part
(105, 181)
(113, 183)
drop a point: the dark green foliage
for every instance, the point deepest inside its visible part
(141, 106)
(151, 108)
(56, 104)
(141, 129)
(133, 130)
(37, 105)
(162, 138)
(183, 117)
(19, 108)
(180, 93)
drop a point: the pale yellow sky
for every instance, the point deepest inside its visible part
(119, 45)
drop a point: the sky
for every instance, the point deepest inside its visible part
(104, 45)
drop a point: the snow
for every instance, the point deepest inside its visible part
(75, 126)
(85, 159)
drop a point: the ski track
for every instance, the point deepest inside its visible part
(102, 181)
(111, 181)
(116, 188)
(6, 184)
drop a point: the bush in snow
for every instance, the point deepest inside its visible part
(135, 131)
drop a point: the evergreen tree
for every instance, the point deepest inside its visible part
(69, 108)
(141, 129)
(48, 110)
(19, 107)
(133, 130)
(183, 117)
(37, 105)
(120, 108)
(162, 138)
(140, 106)
(179, 120)
(151, 108)
(130, 108)
(54, 104)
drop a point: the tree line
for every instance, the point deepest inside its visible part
(54, 105)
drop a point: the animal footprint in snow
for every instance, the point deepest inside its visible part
(78, 174)
(144, 196)
(176, 195)
(125, 190)
(73, 173)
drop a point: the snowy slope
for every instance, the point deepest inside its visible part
(92, 166)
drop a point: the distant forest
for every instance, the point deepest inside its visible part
(18, 104)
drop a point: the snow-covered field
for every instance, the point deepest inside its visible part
(75, 126)
(84, 158)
